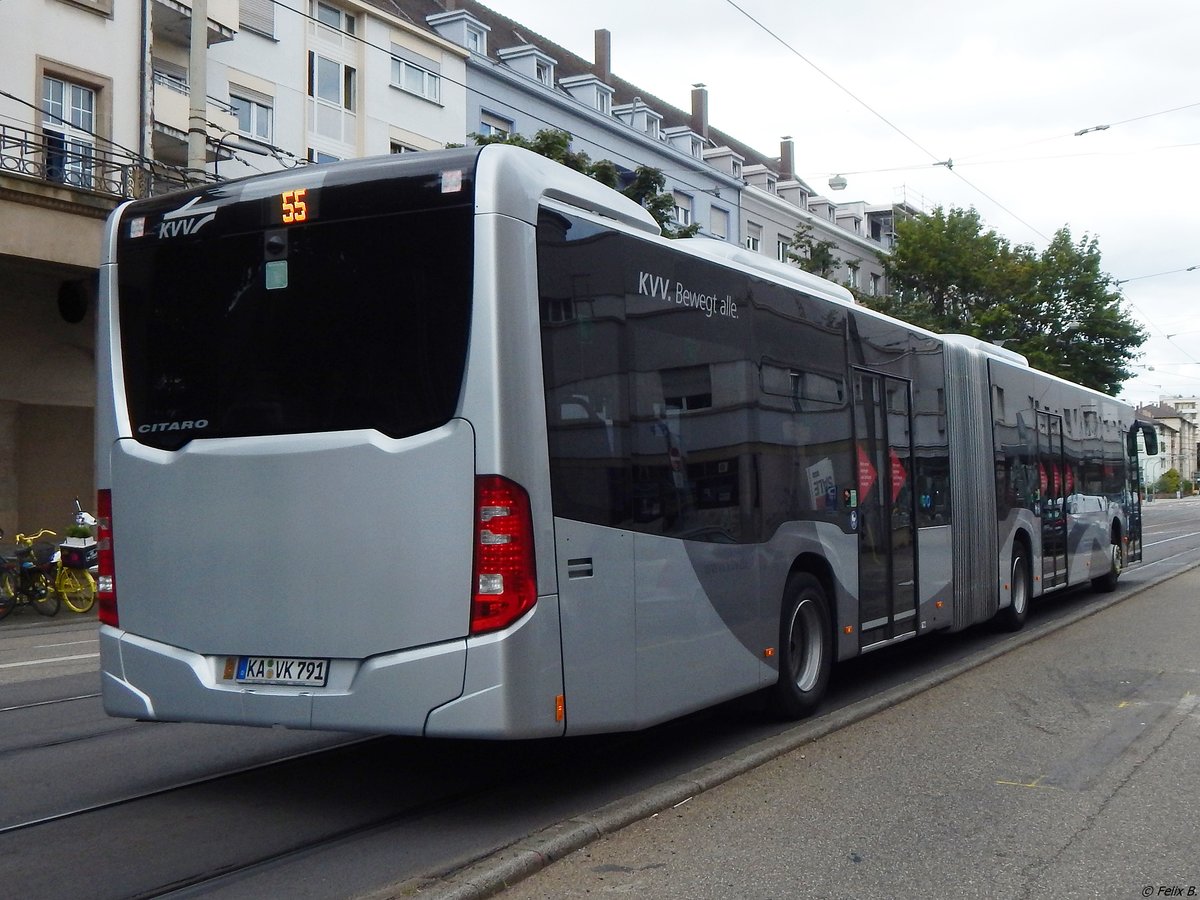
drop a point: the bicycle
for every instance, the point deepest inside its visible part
(73, 580)
(25, 577)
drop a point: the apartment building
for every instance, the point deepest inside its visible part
(1178, 438)
(97, 101)
(107, 100)
(69, 77)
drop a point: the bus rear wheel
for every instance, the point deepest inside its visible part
(805, 647)
(1012, 617)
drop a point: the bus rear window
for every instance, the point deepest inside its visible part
(322, 325)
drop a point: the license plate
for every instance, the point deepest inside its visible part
(282, 670)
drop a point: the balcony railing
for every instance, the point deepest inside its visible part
(54, 158)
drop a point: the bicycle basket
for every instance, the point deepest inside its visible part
(43, 553)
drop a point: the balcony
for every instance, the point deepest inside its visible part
(172, 107)
(50, 162)
(172, 21)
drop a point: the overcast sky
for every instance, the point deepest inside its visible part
(998, 87)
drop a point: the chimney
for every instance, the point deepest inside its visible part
(787, 158)
(604, 55)
(699, 120)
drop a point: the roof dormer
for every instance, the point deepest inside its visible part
(762, 178)
(590, 91)
(530, 62)
(795, 192)
(685, 140)
(726, 160)
(462, 28)
(640, 117)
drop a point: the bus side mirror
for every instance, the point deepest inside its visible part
(1149, 435)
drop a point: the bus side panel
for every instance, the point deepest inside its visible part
(599, 626)
(935, 572)
(698, 613)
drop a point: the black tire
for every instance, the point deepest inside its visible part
(805, 647)
(1012, 617)
(1107, 583)
(8, 599)
(47, 603)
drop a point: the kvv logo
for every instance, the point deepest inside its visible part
(185, 220)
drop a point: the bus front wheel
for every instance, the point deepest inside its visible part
(1116, 563)
(805, 647)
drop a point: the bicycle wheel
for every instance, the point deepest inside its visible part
(8, 596)
(77, 589)
(49, 603)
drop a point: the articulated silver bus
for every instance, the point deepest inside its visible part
(455, 444)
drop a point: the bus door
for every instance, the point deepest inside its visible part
(887, 570)
(1052, 505)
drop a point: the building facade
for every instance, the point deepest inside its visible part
(107, 100)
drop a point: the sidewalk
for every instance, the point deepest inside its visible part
(1061, 767)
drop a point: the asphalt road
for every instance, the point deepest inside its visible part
(194, 810)
(1064, 768)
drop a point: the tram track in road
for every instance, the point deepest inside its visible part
(398, 810)
(203, 835)
(40, 703)
(168, 789)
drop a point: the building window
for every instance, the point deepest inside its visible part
(737, 169)
(543, 73)
(687, 388)
(697, 148)
(719, 223)
(876, 284)
(416, 80)
(333, 17)
(852, 276)
(69, 122)
(320, 156)
(397, 147)
(782, 247)
(772, 185)
(100, 7)
(253, 114)
(494, 126)
(753, 237)
(257, 15)
(604, 102)
(330, 82)
(475, 41)
(683, 209)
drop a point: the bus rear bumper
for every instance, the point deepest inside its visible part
(392, 693)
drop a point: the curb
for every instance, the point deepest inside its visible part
(503, 868)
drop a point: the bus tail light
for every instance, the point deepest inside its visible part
(106, 587)
(505, 579)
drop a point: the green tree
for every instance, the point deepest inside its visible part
(811, 254)
(646, 188)
(1071, 322)
(1168, 483)
(1058, 308)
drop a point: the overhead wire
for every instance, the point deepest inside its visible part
(948, 163)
